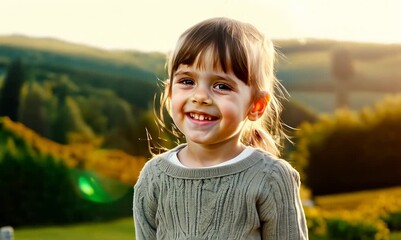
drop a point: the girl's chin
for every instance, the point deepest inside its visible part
(198, 140)
(211, 140)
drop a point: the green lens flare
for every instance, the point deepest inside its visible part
(97, 188)
(85, 186)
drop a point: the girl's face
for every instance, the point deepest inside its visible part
(208, 105)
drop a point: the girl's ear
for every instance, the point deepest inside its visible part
(259, 107)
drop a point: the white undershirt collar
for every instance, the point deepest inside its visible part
(173, 158)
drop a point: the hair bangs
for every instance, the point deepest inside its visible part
(221, 41)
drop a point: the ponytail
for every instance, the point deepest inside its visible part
(267, 132)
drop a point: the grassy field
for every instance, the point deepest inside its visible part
(115, 230)
(122, 229)
(393, 236)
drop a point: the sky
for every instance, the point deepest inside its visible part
(155, 25)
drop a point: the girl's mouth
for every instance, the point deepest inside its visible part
(201, 117)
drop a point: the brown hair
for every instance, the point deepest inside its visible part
(242, 49)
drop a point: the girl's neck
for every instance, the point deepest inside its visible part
(199, 155)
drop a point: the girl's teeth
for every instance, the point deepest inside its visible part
(200, 117)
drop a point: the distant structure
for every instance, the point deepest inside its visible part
(342, 68)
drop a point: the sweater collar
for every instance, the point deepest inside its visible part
(203, 173)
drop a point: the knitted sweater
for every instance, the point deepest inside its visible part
(256, 198)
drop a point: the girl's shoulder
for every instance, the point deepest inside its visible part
(150, 173)
(271, 160)
(277, 168)
(153, 164)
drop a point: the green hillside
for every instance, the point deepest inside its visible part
(90, 98)
(304, 65)
(49, 50)
(133, 75)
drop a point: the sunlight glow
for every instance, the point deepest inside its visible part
(155, 25)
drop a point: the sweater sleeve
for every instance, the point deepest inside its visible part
(281, 212)
(144, 206)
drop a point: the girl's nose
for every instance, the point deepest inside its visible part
(201, 96)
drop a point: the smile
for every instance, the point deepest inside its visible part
(201, 117)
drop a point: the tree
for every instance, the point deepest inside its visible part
(33, 111)
(342, 68)
(78, 130)
(69, 126)
(10, 93)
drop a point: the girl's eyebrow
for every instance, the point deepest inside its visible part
(223, 76)
(227, 77)
(183, 72)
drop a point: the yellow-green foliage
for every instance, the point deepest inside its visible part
(315, 220)
(313, 134)
(353, 200)
(353, 144)
(363, 215)
(346, 224)
(110, 163)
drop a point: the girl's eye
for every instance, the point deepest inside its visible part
(187, 81)
(223, 87)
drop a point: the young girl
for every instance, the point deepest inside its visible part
(225, 182)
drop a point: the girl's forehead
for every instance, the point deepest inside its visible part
(209, 60)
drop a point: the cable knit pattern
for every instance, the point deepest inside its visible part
(256, 198)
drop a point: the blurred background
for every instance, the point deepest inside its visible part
(77, 85)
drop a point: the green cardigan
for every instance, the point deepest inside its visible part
(256, 198)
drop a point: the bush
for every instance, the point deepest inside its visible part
(373, 218)
(345, 224)
(316, 222)
(388, 209)
(339, 229)
(37, 189)
(393, 221)
(342, 153)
